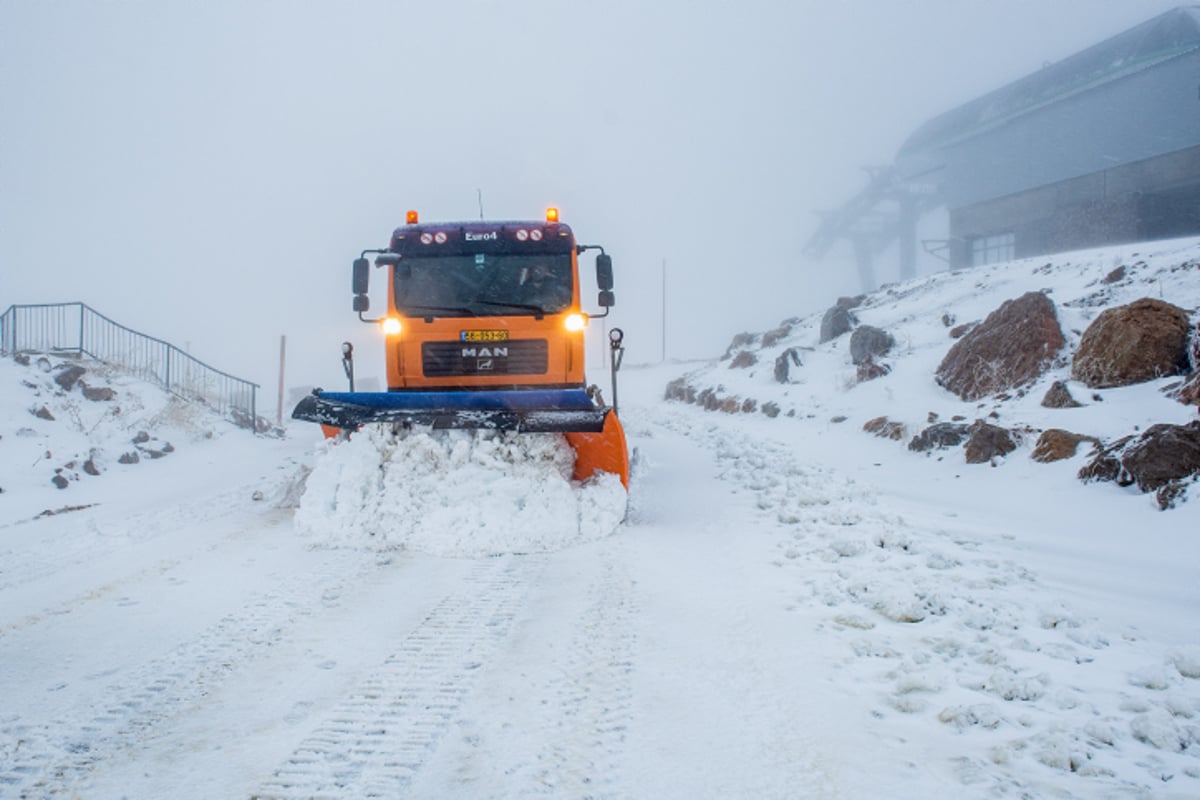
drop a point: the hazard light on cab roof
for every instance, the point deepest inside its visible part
(551, 214)
(411, 218)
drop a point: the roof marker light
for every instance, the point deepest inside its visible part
(411, 218)
(552, 214)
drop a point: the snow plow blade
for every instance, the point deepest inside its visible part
(526, 411)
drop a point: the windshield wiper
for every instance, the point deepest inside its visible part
(461, 309)
(525, 306)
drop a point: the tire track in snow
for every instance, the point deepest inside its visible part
(589, 702)
(377, 741)
(56, 758)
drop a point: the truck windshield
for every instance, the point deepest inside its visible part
(484, 285)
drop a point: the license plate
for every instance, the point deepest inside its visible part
(484, 336)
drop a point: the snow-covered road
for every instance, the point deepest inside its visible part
(762, 625)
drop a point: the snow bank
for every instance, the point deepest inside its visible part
(455, 493)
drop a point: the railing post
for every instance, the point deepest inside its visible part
(81, 330)
(253, 410)
(167, 363)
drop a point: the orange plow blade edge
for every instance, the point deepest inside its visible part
(601, 452)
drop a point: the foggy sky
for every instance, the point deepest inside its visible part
(206, 172)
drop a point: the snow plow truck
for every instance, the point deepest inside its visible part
(484, 329)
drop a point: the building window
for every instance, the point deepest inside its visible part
(992, 249)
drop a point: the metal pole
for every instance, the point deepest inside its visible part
(81, 330)
(282, 355)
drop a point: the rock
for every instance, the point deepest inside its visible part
(885, 428)
(1163, 453)
(1011, 348)
(21, 359)
(851, 302)
(1106, 464)
(948, 319)
(680, 389)
(837, 419)
(869, 342)
(744, 358)
(837, 321)
(1171, 494)
(1131, 344)
(986, 442)
(98, 393)
(59, 481)
(90, 467)
(1189, 392)
(257, 496)
(1159, 455)
(958, 331)
(1114, 276)
(931, 417)
(774, 337)
(69, 376)
(730, 405)
(771, 409)
(740, 340)
(940, 435)
(749, 406)
(1056, 444)
(1059, 396)
(129, 458)
(141, 438)
(783, 365)
(42, 413)
(869, 371)
(43, 364)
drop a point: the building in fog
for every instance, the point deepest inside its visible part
(1100, 148)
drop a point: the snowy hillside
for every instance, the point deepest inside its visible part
(792, 607)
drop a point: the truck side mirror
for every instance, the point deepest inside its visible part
(604, 273)
(361, 303)
(607, 299)
(361, 276)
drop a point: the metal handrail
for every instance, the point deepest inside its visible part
(78, 328)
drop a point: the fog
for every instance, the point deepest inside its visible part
(206, 172)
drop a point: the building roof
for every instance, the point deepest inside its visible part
(1163, 38)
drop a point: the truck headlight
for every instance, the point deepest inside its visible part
(575, 322)
(390, 326)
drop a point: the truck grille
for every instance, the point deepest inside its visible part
(514, 357)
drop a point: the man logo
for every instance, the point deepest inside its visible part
(485, 352)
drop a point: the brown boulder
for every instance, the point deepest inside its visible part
(1130, 344)
(885, 428)
(774, 337)
(1162, 454)
(1010, 348)
(743, 359)
(67, 377)
(986, 441)
(868, 370)
(1155, 458)
(1056, 444)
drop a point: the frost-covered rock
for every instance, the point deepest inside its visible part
(868, 342)
(1011, 348)
(1134, 343)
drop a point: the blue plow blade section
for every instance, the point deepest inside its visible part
(524, 410)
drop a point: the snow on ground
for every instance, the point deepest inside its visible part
(791, 607)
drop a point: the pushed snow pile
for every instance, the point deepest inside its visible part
(455, 493)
